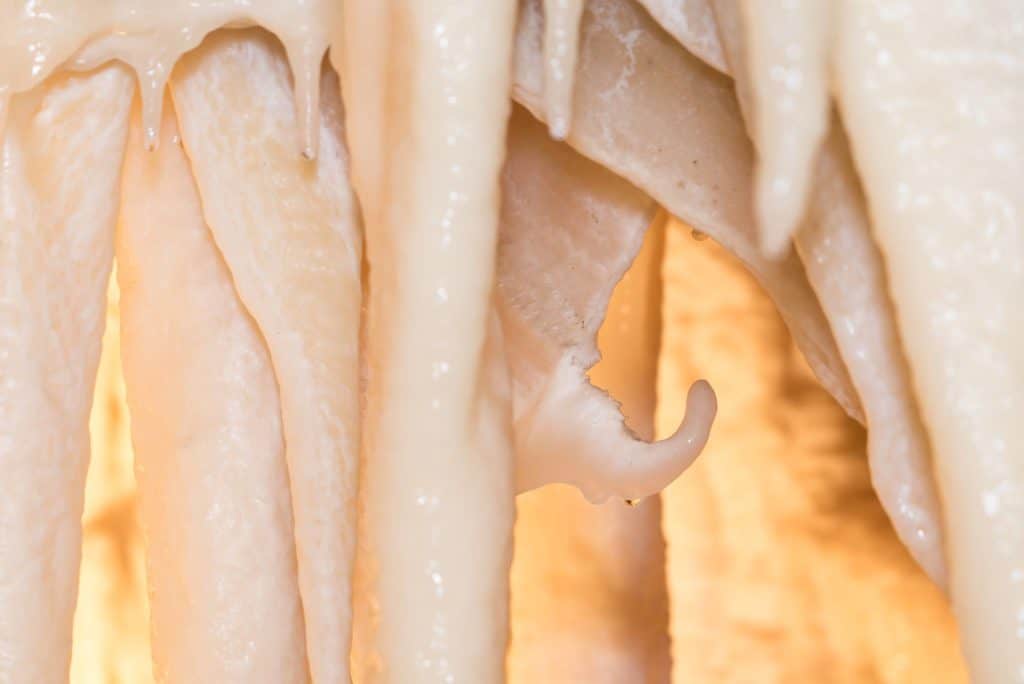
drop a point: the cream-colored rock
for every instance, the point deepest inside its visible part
(206, 427)
(569, 231)
(561, 46)
(589, 600)
(59, 171)
(437, 483)
(290, 234)
(788, 108)
(932, 95)
(846, 270)
(692, 23)
(39, 37)
(778, 53)
(361, 47)
(654, 114)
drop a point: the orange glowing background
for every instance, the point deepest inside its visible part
(111, 632)
(780, 565)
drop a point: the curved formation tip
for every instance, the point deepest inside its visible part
(576, 435)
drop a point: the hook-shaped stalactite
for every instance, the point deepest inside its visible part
(575, 434)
